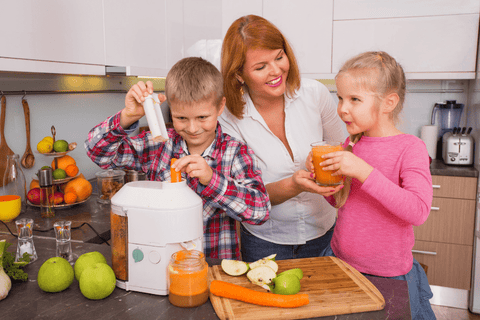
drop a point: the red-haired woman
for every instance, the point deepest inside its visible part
(279, 115)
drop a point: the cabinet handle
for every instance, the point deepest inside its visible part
(435, 208)
(436, 186)
(430, 253)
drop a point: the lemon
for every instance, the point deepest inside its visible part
(59, 174)
(48, 139)
(55, 275)
(60, 146)
(44, 146)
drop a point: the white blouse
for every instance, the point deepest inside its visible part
(309, 116)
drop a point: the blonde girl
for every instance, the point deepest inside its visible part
(388, 186)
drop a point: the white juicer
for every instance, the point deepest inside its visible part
(151, 220)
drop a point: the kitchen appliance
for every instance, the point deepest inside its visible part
(448, 115)
(151, 220)
(458, 147)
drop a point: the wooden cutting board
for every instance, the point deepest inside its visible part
(333, 286)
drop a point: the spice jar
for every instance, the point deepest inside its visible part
(109, 182)
(187, 279)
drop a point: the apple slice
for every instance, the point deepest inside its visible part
(234, 267)
(261, 275)
(267, 261)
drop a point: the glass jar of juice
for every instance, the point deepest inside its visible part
(187, 279)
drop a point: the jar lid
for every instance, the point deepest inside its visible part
(45, 177)
(110, 173)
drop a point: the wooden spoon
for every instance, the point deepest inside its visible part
(4, 149)
(28, 159)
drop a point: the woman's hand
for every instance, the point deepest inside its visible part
(347, 164)
(196, 167)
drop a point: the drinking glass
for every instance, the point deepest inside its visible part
(25, 239)
(324, 178)
(64, 236)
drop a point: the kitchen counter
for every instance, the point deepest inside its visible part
(92, 212)
(439, 168)
(27, 301)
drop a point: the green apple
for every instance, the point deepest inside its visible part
(267, 261)
(97, 281)
(296, 271)
(55, 275)
(261, 276)
(286, 284)
(234, 267)
(86, 260)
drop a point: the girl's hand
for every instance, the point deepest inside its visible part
(305, 181)
(196, 167)
(347, 164)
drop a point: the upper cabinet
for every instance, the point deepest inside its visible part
(136, 36)
(432, 40)
(308, 28)
(52, 36)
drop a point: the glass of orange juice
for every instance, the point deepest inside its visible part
(324, 178)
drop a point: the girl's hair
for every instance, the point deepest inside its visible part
(381, 75)
(193, 80)
(251, 32)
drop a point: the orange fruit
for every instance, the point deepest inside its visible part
(63, 162)
(71, 170)
(34, 184)
(81, 187)
(70, 197)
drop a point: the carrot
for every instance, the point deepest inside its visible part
(174, 175)
(233, 291)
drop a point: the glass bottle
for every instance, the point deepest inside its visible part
(187, 279)
(14, 182)
(45, 180)
(25, 239)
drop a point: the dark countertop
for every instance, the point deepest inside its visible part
(97, 215)
(439, 168)
(27, 301)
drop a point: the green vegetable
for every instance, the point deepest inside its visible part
(12, 268)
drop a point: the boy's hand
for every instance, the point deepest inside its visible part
(347, 164)
(196, 167)
(134, 99)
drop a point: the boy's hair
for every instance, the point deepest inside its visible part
(245, 33)
(383, 76)
(194, 79)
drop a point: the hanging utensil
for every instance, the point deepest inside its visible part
(4, 149)
(28, 159)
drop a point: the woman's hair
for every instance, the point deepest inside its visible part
(381, 75)
(192, 80)
(245, 33)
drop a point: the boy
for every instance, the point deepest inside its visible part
(220, 169)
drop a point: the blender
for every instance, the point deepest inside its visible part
(449, 114)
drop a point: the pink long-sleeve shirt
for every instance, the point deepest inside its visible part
(374, 230)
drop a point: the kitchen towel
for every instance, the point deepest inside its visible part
(429, 136)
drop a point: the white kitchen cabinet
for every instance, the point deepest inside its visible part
(52, 36)
(136, 36)
(373, 9)
(427, 47)
(307, 24)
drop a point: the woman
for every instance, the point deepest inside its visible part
(278, 115)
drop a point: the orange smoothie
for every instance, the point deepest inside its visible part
(188, 285)
(324, 177)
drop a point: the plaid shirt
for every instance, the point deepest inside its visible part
(236, 191)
